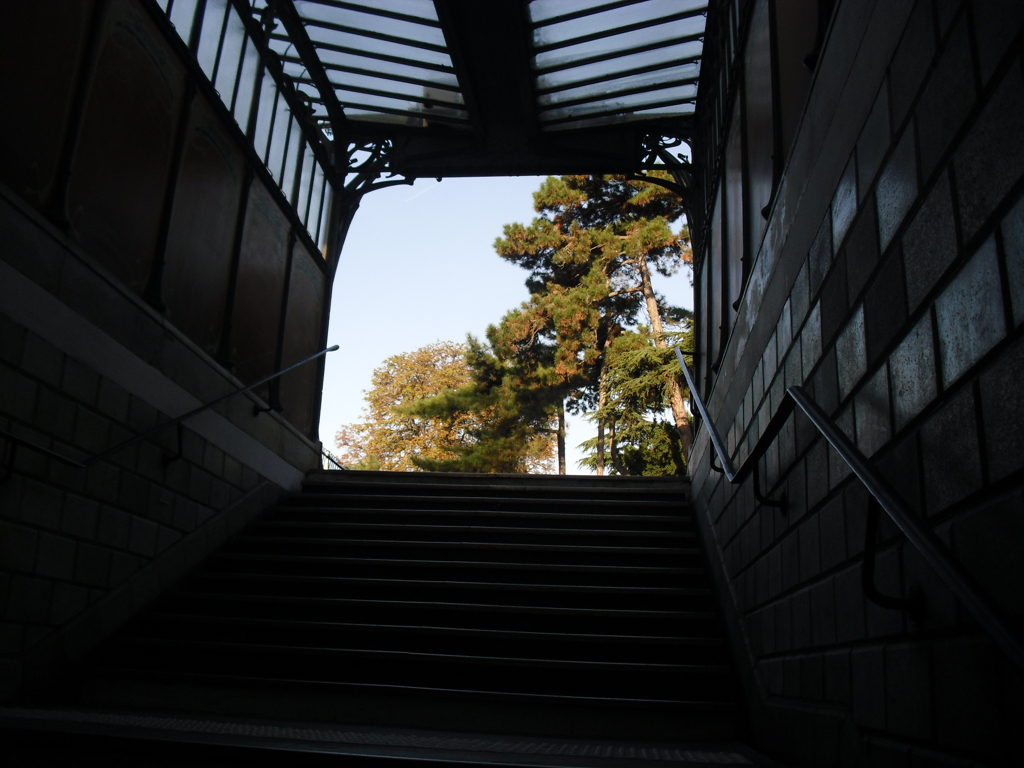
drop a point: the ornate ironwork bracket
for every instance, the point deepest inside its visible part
(369, 168)
(658, 156)
(363, 167)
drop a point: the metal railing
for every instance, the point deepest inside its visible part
(329, 461)
(14, 441)
(935, 553)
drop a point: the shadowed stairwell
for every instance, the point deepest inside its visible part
(542, 607)
(836, 584)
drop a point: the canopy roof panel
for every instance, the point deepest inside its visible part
(597, 62)
(490, 87)
(386, 62)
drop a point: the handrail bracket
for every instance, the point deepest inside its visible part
(914, 603)
(12, 454)
(181, 439)
(780, 504)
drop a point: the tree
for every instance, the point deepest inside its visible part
(639, 378)
(590, 254)
(390, 438)
(446, 407)
(352, 449)
(513, 430)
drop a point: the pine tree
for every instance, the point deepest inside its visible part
(512, 408)
(640, 375)
(590, 253)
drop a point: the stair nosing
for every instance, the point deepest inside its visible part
(484, 565)
(712, 705)
(455, 658)
(502, 499)
(684, 517)
(477, 528)
(684, 551)
(589, 637)
(499, 585)
(457, 606)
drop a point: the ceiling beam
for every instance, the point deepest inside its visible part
(447, 16)
(289, 16)
(489, 43)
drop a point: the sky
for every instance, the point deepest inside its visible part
(419, 266)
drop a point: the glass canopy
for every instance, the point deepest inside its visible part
(597, 62)
(386, 60)
(460, 87)
(592, 62)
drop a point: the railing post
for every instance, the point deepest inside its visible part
(915, 605)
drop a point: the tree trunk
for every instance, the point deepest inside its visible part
(675, 393)
(602, 400)
(561, 437)
(614, 451)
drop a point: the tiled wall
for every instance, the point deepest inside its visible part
(85, 365)
(892, 289)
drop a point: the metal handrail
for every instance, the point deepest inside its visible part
(935, 553)
(15, 441)
(329, 458)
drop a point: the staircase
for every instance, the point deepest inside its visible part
(559, 607)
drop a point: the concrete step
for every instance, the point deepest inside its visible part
(507, 484)
(107, 737)
(442, 598)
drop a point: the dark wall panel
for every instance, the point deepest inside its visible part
(716, 254)
(256, 315)
(41, 46)
(125, 146)
(302, 338)
(734, 198)
(796, 24)
(202, 230)
(700, 291)
(760, 126)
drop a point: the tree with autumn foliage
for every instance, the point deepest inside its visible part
(516, 429)
(405, 427)
(388, 438)
(573, 345)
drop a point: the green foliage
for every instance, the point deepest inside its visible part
(590, 254)
(648, 448)
(494, 406)
(512, 409)
(370, 463)
(584, 254)
(637, 380)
